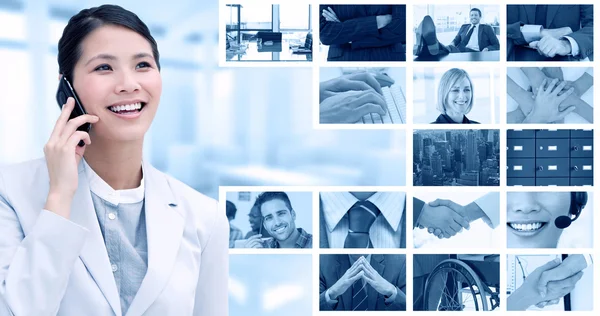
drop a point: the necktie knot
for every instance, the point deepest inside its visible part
(362, 215)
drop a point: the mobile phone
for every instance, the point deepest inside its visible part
(64, 91)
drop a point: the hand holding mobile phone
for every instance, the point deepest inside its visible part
(64, 91)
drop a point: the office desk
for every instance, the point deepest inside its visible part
(277, 52)
(474, 56)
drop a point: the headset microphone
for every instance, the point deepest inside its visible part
(562, 222)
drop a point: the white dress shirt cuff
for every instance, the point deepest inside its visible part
(489, 204)
(328, 298)
(589, 260)
(574, 45)
(531, 32)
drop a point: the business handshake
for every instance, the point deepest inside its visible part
(445, 218)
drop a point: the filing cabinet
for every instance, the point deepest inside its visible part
(549, 157)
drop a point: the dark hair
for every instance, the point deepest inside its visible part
(88, 20)
(478, 11)
(230, 209)
(269, 196)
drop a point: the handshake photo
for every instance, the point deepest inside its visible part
(445, 218)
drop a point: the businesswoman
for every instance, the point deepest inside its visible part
(455, 98)
(94, 230)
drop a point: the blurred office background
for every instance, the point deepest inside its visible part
(244, 21)
(426, 82)
(215, 126)
(449, 18)
(270, 285)
(301, 203)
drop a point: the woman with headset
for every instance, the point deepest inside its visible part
(455, 98)
(538, 219)
(92, 229)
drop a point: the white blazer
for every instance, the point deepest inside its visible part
(53, 266)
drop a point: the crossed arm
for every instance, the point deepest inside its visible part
(363, 32)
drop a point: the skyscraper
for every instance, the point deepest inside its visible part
(471, 159)
(436, 164)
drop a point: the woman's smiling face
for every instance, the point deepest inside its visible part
(117, 79)
(459, 97)
(531, 215)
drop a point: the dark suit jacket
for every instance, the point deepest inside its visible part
(356, 37)
(390, 267)
(487, 37)
(445, 119)
(324, 241)
(580, 18)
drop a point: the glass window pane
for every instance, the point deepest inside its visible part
(256, 16)
(293, 16)
(12, 26)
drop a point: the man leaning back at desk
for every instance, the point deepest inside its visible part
(473, 37)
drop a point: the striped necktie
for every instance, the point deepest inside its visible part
(359, 296)
(360, 216)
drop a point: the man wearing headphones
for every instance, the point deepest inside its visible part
(537, 219)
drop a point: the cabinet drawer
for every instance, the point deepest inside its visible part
(582, 147)
(582, 167)
(552, 181)
(520, 181)
(551, 147)
(549, 133)
(520, 168)
(520, 133)
(520, 148)
(582, 133)
(552, 167)
(582, 181)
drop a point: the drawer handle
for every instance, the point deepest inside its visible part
(575, 168)
(575, 148)
(540, 168)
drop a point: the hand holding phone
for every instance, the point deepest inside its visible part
(63, 157)
(65, 90)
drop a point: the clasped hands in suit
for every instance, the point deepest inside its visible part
(552, 43)
(348, 98)
(361, 269)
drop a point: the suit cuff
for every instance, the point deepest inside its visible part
(574, 45)
(389, 300)
(531, 32)
(328, 298)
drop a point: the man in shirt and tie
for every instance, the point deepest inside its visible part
(362, 220)
(353, 282)
(550, 32)
(472, 37)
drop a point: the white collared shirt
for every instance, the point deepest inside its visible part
(385, 231)
(474, 40)
(107, 193)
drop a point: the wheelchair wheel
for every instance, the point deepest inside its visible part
(453, 286)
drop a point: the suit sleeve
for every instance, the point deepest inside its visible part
(456, 39)
(399, 302)
(35, 268)
(417, 208)
(393, 33)
(494, 44)
(513, 26)
(212, 290)
(338, 33)
(323, 287)
(489, 204)
(585, 35)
